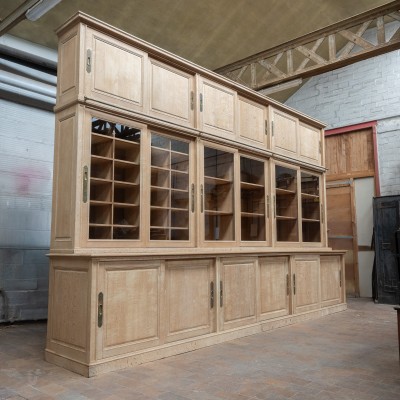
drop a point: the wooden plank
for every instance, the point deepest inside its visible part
(350, 155)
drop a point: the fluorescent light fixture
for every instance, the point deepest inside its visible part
(40, 8)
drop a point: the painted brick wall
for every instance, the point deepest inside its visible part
(365, 91)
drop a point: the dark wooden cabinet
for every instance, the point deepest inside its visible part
(386, 272)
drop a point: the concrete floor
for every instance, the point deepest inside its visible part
(349, 355)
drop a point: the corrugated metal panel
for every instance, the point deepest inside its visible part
(26, 165)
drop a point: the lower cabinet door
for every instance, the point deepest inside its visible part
(237, 295)
(128, 307)
(305, 281)
(190, 292)
(331, 280)
(274, 287)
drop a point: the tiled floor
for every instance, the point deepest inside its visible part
(349, 355)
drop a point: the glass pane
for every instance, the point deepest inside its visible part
(218, 195)
(286, 211)
(114, 181)
(252, 196)
(169, 202)
(310, 208)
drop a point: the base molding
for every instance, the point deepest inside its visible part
(184, 346)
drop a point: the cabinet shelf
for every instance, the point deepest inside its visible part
(216, 181)
(123, 184)
(127, 144)
(125, 164)
(213, 212)
(95, 160)
(251, 186)
(310, 220)
(125, 205)
(249, 214)
(99, 181)
(284, 192)
(100, 203)
(310, 196)
(100, 225)
(284, 218)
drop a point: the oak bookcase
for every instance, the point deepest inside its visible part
(187, 209)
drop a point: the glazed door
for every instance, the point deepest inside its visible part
(171, 191)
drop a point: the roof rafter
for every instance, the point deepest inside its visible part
(357, 38)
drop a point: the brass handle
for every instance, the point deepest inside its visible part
(88, 60)
(85, 184)
(201, 102)
(201, 198)
(212, 294)
(287, 285)
(100, 310)
(340, 278)
(192, 197)
(274, 207)
(294, 283)
(192, 100)
(221, 294)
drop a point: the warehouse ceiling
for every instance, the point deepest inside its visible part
(211, 33)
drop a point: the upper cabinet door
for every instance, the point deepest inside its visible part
(295, 138)
(114, 72)
(252, 122)
(217, 105)
(310, 146)
(171, 94)
(284, 133)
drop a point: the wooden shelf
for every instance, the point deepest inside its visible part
(309, 196)
(251, 186)
(99, 181)
(284, 192)
(310, 220)
(213, 212)
(125, 205)
(248, 214)
(283, 218)
(216, 181)
(125, 164)
(123, 184)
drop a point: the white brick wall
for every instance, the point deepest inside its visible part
(365, 91)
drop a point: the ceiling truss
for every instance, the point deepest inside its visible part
(366, 35)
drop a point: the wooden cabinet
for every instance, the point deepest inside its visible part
(104, 57)
(190, 298)
(170, 186)
(298, 208)
(237, 292)
(275, 287)
(252, 122)
(306, 283)
(172, 95)
(284, 129)
(187, 210)
(295, 138)
(128, 294)
(217, 105)
(332, 280)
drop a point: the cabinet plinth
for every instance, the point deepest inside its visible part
(187, 210)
